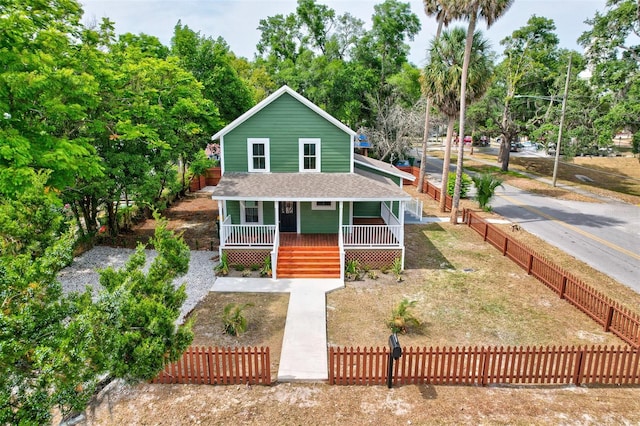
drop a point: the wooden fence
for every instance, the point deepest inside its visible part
(603, 310)
(219, 366)
(427, 187)
(484, 366)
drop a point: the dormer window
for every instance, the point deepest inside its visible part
(258, 155)
(309, 150)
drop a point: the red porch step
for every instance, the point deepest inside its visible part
(308, 262)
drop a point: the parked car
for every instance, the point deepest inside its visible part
(515, 146)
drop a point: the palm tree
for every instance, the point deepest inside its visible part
(442, 77)
(490, 11)
(438, 9)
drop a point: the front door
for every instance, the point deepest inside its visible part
(288, 217)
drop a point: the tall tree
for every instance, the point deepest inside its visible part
(438, 9)
(490, 11)
(442, 81)
(613, 53)
(44, 348)
(211, 62)
(55, 348)
(530, 69)
(44, 94)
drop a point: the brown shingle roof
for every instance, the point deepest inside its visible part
(359, 186)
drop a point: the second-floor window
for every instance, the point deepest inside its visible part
(309, 155)
(258, 155)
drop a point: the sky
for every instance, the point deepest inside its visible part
(237, 21)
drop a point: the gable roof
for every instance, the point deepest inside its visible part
(275, 95)
(386, 168)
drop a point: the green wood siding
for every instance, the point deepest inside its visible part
(233, 209)
(268, 212)
(318, 221)
(366, 209)
(395, 179)
(283, 122)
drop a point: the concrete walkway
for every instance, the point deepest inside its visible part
(304, 346)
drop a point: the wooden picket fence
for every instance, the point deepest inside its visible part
(609, 314)
(219, 366)
(485, 366)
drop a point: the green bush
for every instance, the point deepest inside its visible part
(486, 185)
(465, 184)
(233, 318)
(402, 318)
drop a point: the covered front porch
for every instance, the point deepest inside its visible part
(373, 241)
(356, 213)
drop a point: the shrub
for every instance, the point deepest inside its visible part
(465, 184)
(402, 318)
(486, 185)
(265, 271)
(222, 268)
(396, 268)
(233, 318)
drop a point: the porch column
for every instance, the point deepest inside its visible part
(340, 242)
(276, 241)
(220, 220)
(401, 219)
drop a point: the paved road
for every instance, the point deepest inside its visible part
(604, 235)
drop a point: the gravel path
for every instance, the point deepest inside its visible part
(83, 272)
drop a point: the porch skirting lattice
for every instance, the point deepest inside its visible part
(373, 258)
(246, 257)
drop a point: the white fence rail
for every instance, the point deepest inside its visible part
(414, 207)
(246, 235)
(371, 235)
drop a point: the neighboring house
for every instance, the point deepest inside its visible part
(292, 188)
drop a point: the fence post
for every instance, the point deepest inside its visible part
(578, 373)
(485, 366)
(331, 375)
(504, 248)
(486, 231)
(609, 319)
(530, 265)
(563, 287)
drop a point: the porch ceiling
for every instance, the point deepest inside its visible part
(358, 186)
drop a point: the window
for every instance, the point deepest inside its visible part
(251, 212)
(258, 155)
(323, 205)
(309, 155)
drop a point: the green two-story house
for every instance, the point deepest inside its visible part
(292, 188)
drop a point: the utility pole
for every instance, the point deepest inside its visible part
(564, 107)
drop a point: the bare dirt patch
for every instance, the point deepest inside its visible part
(192, 217)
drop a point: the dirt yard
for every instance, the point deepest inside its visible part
(467, 293)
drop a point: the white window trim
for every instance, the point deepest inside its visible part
(243, 214)
(301, 143)
(267, 161)
(315, 206)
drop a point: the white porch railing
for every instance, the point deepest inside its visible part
(415, 208)
(246, 235)
(393, 223)
(371, 235)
